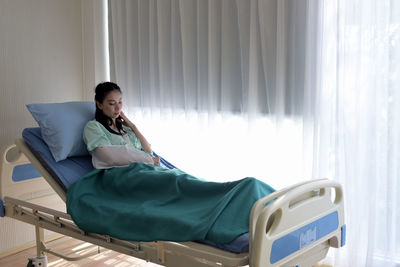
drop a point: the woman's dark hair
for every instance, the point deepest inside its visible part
(101, 91)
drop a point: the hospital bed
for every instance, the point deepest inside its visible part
(294, 226)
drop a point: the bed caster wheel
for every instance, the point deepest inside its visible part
(37, 262)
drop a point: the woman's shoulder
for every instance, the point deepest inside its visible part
(95, 135)
(94, 125)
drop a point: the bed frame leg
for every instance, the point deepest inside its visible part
(39, 240)
(41, 259)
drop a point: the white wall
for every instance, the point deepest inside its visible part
(40, 61)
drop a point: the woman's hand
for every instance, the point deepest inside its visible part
(126, 121)
(156, 161)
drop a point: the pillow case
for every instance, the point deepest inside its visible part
(62, 125)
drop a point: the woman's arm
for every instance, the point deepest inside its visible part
(146, 146)
(105, 157)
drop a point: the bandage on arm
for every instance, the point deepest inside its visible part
(105, 157)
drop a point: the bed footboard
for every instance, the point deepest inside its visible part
(298, 225)
(18, 176)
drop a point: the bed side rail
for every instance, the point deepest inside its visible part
(299, 226)
(160, 252)
(60, 222)
(57, 221)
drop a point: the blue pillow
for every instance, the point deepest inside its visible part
(62, 125)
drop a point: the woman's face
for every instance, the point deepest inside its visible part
(112, 104)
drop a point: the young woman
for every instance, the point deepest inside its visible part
(112, 139)
(143, 202)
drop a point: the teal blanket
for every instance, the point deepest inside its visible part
(146, 203)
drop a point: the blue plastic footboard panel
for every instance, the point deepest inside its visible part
(2, 209)
(343, 236)
(24, 172)
(303, 236)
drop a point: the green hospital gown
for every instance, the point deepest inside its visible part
(96, 135)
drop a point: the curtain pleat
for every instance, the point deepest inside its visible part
(214, 56)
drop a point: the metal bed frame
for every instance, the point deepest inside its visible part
(297, 213)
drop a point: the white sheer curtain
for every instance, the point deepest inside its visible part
(225, 85)
(359, 121)
(282, 90)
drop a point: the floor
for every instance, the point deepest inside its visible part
(74, 247)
